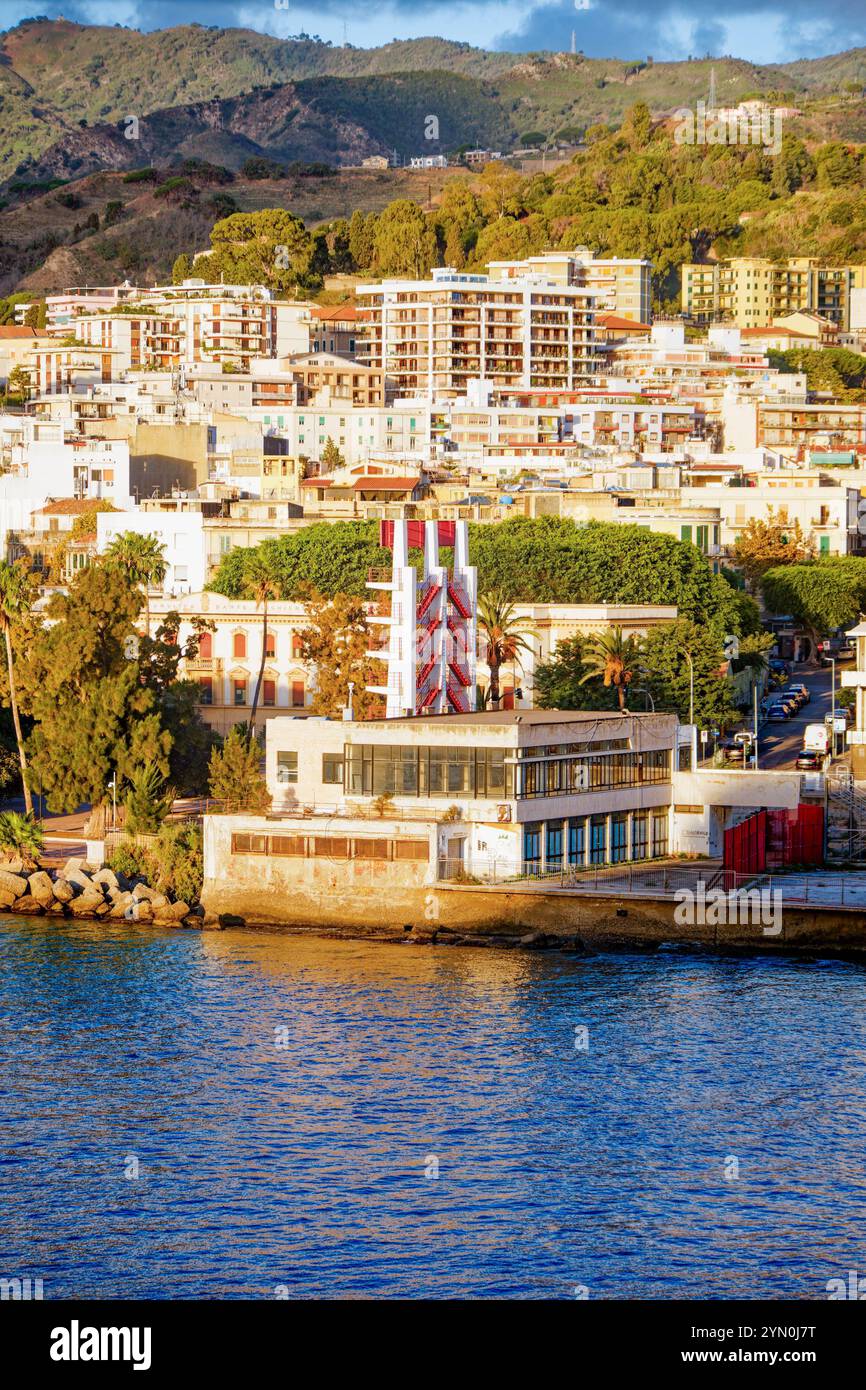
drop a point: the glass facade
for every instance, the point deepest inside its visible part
(409, 770)
(582, 842)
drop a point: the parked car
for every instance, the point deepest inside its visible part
(802, 691)
(777, 714)
(810, 761)
(734, 750)
(779, 667)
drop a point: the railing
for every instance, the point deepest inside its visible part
(655, 879)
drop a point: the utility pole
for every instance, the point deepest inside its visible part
(833, 705)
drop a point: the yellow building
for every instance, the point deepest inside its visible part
(752, 291)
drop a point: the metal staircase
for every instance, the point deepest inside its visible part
(845, 816)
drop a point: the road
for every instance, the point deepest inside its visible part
(779, 744)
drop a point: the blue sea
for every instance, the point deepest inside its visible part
(262, 1115)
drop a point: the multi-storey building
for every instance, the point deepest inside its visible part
(434, 337)
(752, 291)
(619, 286)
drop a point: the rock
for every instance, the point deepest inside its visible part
(56, 907)
(177, 911)
(63, 891)
(78, 877)
(41, 888)
(143, 911)
(86, 904)
(210, 922)
(142, 893)
(12, 864)
(108, 879)
(120, 902)
(6, 898)
(103, 909)
(230, 919)
(13, 883)
(534, 940)
(26, 905)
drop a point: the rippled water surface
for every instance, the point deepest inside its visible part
(285, 1099)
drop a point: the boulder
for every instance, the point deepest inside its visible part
(41, 888)
(177, 911)
(13, 883)
(78, 878)
(86, 904)
(142, 893)
(63, 891)
(108, 879)
(6, 898)
(12, 863)
(26, 905)
(143, 911)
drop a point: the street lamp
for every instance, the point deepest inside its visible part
(688, 657)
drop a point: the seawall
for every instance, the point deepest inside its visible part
(503, 915)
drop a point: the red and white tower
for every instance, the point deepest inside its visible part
(432, 625)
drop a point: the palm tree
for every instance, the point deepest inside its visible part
(20, 835)
(143, 558)
(260, 585)
(503, 636)
(15, 598)
(613, 658)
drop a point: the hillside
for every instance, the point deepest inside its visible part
(67, 90)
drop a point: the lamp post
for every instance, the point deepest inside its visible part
(688, 657)
(833, 704)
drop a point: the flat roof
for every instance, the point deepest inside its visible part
(533, 718)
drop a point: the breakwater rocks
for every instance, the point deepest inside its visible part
(79, 890)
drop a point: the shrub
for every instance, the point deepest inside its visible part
(135, 861)
(179, 853)
(140, 176)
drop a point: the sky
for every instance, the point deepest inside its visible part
(764, 31)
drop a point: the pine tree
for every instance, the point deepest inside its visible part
(236, 781)
(148, 800)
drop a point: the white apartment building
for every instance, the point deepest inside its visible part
(433, 337)
(619, 286)
(180, 533)
(41, 463)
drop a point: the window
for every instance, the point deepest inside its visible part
(297, 646)
(181, 574)
(660, 832)
(577, 842)
(269, 692)
(270, 644)
(249, 844)
(298, 694)
(239, 688)
(639, 835)
(205, 646)
(331, 847)
(618, 838)
(239, 645)
(597, 839)
(553, 849)
(412, 849)
(824, 545)
(288, 845)
(225, 544)
(532, 849)
(372, 849)
(332, 769)
(685, 533)
(287, 769)
(205, 690)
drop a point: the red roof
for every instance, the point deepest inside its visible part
(772, 332)
(617, 321)
(336, 312)
(74, 506)
(389, 484)
(20, 330)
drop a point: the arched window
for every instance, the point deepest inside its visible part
(270, 644)
(205, 646)
(239, 645)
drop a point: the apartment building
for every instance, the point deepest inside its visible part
(433, 337)
(17, 342)
(826, 509)
(334, 329)
(752, 291)
(618, 286)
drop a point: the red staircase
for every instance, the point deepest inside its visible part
(462, 676)
(461, 603)
(424, 673)
(430, 696)
(428, 599)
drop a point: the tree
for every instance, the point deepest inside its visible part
(823, 595)
(668, 672)
(336, 643)
(765, 544)
(16, 597)
(18, 383)
(148, 800)
(181, 270)
(271, 247)
(95, 712)
(503, 635)
(20, 835)
(499, 190)
(332, 459)
(260, 585)
(143, 559)
(236, 781)
(403, 242)
(362, 245)
(612, 658)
